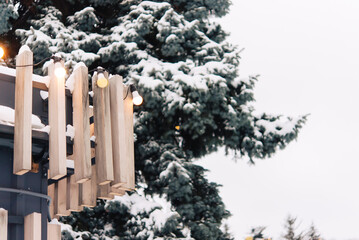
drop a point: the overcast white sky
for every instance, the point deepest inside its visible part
(307, 53)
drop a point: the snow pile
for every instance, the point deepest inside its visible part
(151, 213)
(7, 117)
(70, 131)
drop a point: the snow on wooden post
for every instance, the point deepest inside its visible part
(119, 150)
(80, 103)
(3, 223)
(102, 120)
(32, 226)
(23, 112)
(72, 203)
(57, 122)
(53, 231)
(129, 143)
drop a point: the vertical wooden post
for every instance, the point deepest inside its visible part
(80, 103)
(129, 143)
(32, 226)
(61, 198)
(72, 203)
(53, 231)
(51, 193)
(3, 224)
(102, 120)
(119, 150)
(23, 112)
(88, 190)
(57, 122)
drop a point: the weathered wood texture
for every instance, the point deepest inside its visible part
(53, 231)
(120, 151)
(57, 122)
(3, 223)
(32, 226)
(80, 103)
(72, 203)
(88, 190)
(129, 143)
(23, 112)
(102, 120)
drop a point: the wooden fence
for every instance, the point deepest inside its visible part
(112, 172)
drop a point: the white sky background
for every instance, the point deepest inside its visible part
(307, 53)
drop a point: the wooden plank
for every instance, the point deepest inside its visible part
(88, 190)
(117, 192)
(3, 223)
(40, 82)
(53, 231)
(57, 122)
(32, 226)
(103, 192)
(102, 120)
(23, 112)
(51, 193)
(72, 203)
(80, 103)
(119, 151)
(129, 144)
(61, 198)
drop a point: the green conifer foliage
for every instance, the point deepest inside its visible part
(189, 77)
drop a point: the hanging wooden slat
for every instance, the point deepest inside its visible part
(57, 122)
(117, 192)
(72, 203)
(88, 190)
(51, 193)
(119, 150)
(102, 120)
(129, 143)
(61, 198)
(23, 112)
(80, 103)
(103, 192)
(53, 231)
(32, 226)
(3, 223)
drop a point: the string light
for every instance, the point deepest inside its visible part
(60, 71)
(2, 52)
(136, 97)
(102, 81)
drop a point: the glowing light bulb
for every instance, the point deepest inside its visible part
(60, 71)
(136, 98)
(102, 81)
(2, 52)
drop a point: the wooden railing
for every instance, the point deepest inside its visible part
(113, 171)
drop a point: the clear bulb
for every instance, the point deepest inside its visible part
(60, 71)
(2, 52)
(136, 98)
(102, 81)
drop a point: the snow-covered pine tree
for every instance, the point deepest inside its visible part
(189, 76)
